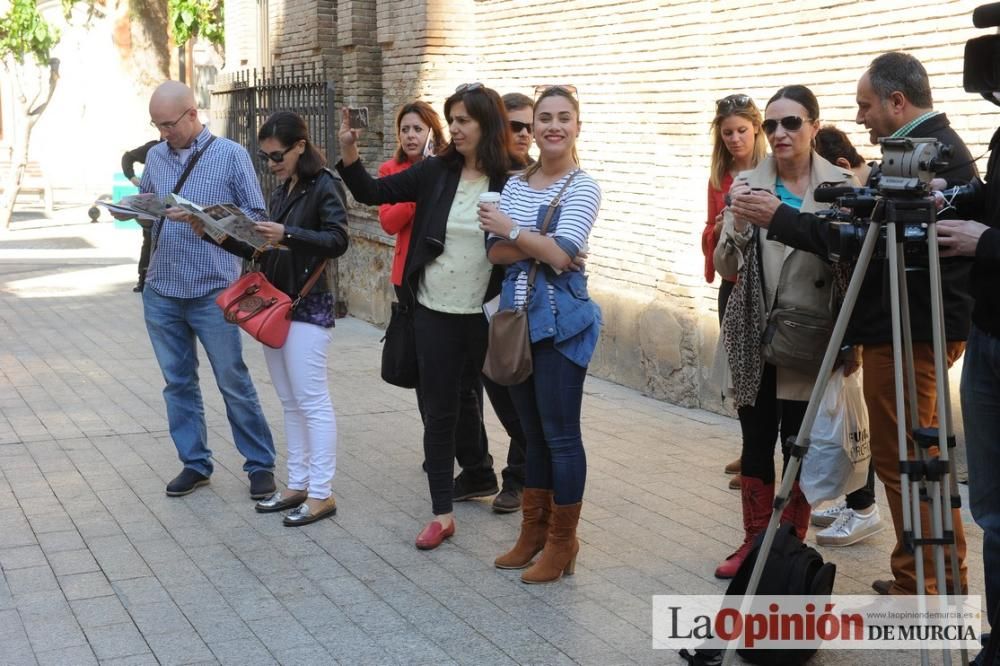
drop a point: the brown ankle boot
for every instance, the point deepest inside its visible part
(756, 498)
(797, 512)
(536, 505)
(561, 546)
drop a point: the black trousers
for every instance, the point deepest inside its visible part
(513, 473)
(147, 241)
(762, 424)
(450, 353)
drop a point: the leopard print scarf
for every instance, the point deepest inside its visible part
(743, 326)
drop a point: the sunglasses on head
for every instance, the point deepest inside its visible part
(277, 156)
(469, 87)
(516, 126)
(731, 103)
(790, 123)
(560, 88)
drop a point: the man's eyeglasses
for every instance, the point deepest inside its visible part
(732, 103)
(277, 156)
(560, 88)
(469, 87)
(170, 125)
(516, 126)
(790, 123)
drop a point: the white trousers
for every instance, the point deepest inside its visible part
(298, 371)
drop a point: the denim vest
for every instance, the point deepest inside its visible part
(576, 323)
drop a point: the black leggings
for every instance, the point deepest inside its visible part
(761, 425)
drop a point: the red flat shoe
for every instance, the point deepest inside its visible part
(433, 534)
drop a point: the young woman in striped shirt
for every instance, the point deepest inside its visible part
(564, 326)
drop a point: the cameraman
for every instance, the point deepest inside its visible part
(981, 371)
(894, 99)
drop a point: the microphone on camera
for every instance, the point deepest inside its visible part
(986, 16)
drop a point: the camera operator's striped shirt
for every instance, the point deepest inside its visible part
(571, 224)
(182, 265)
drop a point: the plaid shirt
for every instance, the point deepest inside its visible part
(182, 264)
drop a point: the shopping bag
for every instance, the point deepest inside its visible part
(836, 462)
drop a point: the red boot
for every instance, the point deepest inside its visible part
(797, 512)
(757, 498)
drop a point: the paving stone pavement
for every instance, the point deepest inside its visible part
(99, 566)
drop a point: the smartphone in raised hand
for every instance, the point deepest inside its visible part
(357, 117)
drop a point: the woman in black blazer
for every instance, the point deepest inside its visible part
(447, 276)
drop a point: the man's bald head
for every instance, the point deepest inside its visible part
(171, 97)
(174, 113)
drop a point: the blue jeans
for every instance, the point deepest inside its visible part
(981, 413)
(173, 325)
(548, 404)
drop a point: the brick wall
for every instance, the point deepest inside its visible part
(648, 72)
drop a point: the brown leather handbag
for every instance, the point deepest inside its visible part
(508, 354)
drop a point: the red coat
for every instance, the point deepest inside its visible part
(709, 239)
(397, 220)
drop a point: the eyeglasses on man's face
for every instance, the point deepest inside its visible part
(278, 156)
(731, 103)
(516, 126)
(169, 125)
(790, 123)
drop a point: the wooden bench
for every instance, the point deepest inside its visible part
(33, 182)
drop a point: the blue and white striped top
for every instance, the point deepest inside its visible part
(183, 265)
(571, 223)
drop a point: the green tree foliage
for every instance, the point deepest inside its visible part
(23, 31)
(197, 18)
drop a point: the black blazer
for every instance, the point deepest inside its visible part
(432, 184)
(315, 222)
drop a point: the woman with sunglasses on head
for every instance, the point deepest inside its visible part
(769, 399)
(446, 277)
(738, 144)
(564, 325)
(309, 226)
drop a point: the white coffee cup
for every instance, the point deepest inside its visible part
(492, 198)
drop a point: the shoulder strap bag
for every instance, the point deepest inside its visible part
(508, 354)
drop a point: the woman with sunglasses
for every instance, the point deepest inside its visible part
(446, 277)
(738, 144)
(769, 399)
(564, 326)
(309, 226)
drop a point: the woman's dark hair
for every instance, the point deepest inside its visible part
(493, 154)
(832, 144)
(289, 128)
(429, 117)
(799, 94)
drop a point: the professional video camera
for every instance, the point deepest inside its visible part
(908, 167)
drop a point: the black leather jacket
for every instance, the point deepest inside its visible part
(315, 222)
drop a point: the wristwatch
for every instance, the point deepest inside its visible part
(514, 233)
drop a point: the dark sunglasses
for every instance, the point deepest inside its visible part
(565, 89)
(790, 123)
(732, 103)
(516, 126)
(469, 87)
(277, 156)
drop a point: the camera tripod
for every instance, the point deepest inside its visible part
(930, 477)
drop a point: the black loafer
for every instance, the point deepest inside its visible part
(508, 501)
(261, 484)
(185, 483)
(281, 500)
(468, 487)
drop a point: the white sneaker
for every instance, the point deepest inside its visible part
(851, 527)
(825, 517)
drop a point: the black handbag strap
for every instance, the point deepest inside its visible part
(545, 227)
(180, 183)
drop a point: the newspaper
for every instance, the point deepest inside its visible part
(141, 206)
(222, 220)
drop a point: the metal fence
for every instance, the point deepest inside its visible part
(243, 100)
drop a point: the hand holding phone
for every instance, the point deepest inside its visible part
(357, 117)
